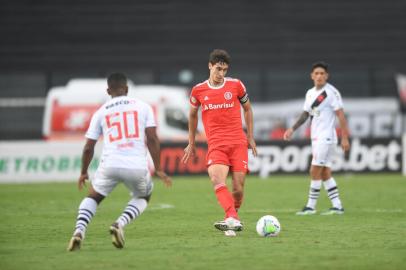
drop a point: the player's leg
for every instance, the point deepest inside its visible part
(318, 162)
(218, 175)
(140, 184)
(239, 168)
(100, 187)
(331, 188)
(314, 191)
(238, 180)
(87, 209)
(218, 167)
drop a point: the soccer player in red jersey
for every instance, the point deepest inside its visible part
(220, 98)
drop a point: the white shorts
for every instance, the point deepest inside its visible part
(138, 181)
(322, 154)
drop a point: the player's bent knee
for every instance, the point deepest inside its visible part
(315, 172)
(96, 196)
(215, 180)
(147, 198)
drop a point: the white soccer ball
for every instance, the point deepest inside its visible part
(268, 226)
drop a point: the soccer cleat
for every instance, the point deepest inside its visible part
(230, 233)
(228, 224)
(333, 211)
(75, 242)
(306, 211)
(117, 235)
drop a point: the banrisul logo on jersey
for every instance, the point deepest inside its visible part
(218, 106)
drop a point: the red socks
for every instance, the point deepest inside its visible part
(226, 200)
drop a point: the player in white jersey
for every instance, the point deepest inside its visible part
(125, 124)
(323, 103)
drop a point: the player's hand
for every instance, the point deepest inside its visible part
(164, 177)
(345, 144)
(287, 136)
(253, 146)
(190, 151)
(82, 180)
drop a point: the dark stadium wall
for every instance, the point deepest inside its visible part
(272, 44)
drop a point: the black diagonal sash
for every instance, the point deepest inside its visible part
(320, 98)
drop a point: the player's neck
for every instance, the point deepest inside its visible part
(319, 87)
(213, 83)
(118, 95)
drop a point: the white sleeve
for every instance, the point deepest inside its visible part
(336, 101)
(150, 118)
(306, 105)
(95, 128)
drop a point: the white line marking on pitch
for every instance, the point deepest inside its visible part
(160, 206)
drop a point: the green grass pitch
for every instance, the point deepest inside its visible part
(37, 221)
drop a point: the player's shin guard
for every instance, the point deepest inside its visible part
(134, 209)
(226, 200)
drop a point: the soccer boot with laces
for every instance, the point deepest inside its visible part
(306, 211)
(75, 242)
(229, 224)
(117, 235)
(333, 211)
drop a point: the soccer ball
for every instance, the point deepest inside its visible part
(268, 226)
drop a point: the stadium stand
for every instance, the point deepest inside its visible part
(272, 43)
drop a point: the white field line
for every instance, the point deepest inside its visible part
(366, 210)
(160, 206)
(163, 206)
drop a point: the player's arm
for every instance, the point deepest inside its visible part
(249, 122)
(154, 148)
(345, 144)
(300, 121)
(193, 121)
(87, 156)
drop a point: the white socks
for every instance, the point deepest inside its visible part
(314, 192)
(330, 186)
(134, 208)
(87, 209)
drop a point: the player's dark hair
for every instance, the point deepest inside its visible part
(320, 64)
(116, 81)
(219, 56)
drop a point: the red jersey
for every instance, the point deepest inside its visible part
(221, 111)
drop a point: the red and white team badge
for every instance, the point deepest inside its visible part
(228, 95)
